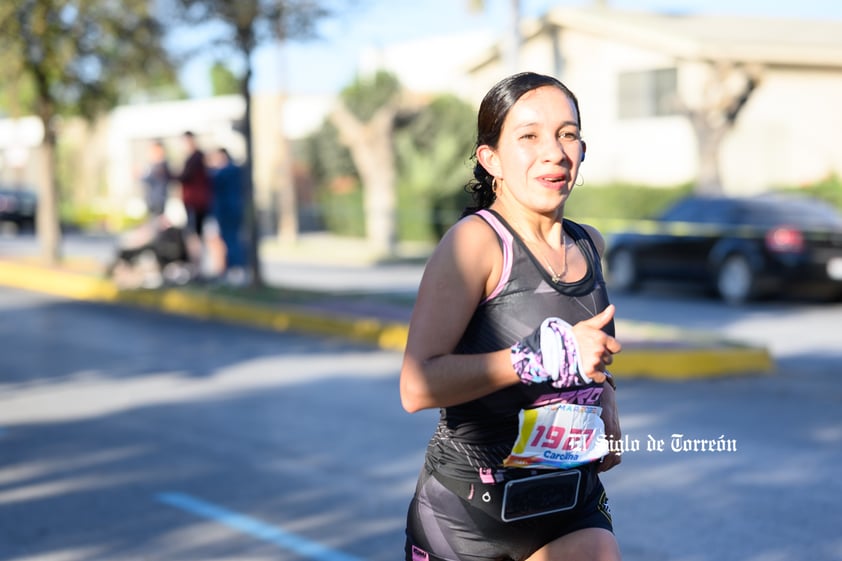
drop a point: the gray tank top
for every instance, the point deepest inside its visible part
(474, 437)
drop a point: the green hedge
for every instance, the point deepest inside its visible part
(607, 207)
(829, 189)
(621, 201)
(419, 218)
(93, 219)
(343, 213)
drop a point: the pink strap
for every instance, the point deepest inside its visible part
(507, 240)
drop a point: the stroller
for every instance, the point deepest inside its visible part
(152, 255)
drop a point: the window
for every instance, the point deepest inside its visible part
(650, 93)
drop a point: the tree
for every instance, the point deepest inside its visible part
(245, 25)
(329, 169)
(17, 94)
(365, 118)
(80, 57)
(223, 80)
(729, 87)
(434, 149)
(326, 157)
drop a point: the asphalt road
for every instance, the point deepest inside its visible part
(128, 435)
(107, 412)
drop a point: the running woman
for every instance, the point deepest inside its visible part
(510, 339)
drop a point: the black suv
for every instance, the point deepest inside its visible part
(742, 247)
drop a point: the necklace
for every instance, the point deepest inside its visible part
(556, 277)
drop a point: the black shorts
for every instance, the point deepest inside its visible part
(442, 525)
(196, 221)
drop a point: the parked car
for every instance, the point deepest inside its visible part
(742, 247)
(18, 205)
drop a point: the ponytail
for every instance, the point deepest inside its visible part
(481, 189)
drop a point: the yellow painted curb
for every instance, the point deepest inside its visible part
(668, 362)
(386, 335)
(683, 364)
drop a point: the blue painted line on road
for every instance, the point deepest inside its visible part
(254, 527)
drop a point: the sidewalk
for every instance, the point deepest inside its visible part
(332, 287)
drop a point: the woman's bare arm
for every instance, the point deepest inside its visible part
(464, 268)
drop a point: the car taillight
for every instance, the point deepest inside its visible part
(785, 240)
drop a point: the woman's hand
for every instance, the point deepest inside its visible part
(565, 355)
(596, 348)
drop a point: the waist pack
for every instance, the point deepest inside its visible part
(525, 495)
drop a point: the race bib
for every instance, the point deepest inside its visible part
(558, 436)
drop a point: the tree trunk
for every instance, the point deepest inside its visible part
(287, 198)
(372, 150)
(727, 91)
(709, 181)
(251, 218)
(48, 224)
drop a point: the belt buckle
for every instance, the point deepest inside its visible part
(540, 495)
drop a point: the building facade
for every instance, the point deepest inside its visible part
(638, 76)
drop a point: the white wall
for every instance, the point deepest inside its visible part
(19, 142)
(790, 132)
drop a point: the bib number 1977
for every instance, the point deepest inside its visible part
(558, 436)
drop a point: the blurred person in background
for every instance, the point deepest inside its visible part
(196, 194)
(227, 181)
(156, 180)
(510, 338)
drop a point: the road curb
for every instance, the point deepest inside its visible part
(640, 359)
(687, 364)
(79, 286)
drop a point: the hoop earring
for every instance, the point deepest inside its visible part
(494, 185)
(580, 180)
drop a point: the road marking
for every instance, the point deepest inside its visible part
(254, 527)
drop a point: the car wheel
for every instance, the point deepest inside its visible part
(622, 271)
(735, 280)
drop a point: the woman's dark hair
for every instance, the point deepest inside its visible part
(492, 113)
